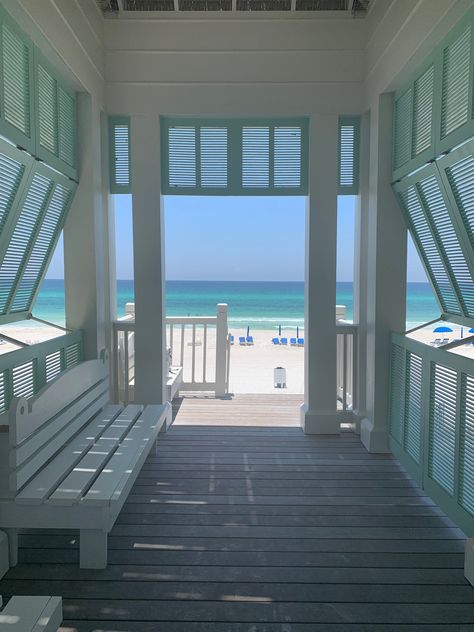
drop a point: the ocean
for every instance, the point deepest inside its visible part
(257, 304)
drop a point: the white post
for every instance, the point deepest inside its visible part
(221, 349)
(319, 412)
(148, 258)
(469, 561)
(386, 275)
(86, 236)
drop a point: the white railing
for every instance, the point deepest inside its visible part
(346, 366)
(198, 349)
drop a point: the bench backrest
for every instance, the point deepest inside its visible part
(39, 427)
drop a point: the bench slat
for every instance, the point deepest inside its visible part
(31, 614)
(86, 400)
(112, 481)
(72, 488)
(48, 478)
(23, 474)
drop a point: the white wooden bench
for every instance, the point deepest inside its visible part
(31, 614)
(73, 458)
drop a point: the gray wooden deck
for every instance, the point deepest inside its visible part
(232, 529)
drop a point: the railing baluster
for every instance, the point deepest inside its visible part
(193, 357)
(344, 372)
(182, 345)
(204, 353)
(171, 339)
(126, 368)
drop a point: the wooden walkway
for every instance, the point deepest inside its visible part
(240, 529)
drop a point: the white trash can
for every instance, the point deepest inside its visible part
(279, 377)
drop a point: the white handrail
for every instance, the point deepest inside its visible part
(347, 346)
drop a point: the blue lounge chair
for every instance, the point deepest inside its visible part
(231, 338)
(242, 340)
(250, 340)
(275, 341)
(300, 342)
(293, 342)
(283, 341)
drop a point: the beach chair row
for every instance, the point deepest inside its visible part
(294, 342)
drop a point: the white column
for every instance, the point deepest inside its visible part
(318, 413)
(386, 275)
(148, 259)
(221, 349)
(360, 268)
(86, 232)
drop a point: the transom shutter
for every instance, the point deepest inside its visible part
(349, 149)
(119, 154)
(234, 157)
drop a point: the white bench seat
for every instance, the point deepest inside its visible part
(78, 473)
(31, 614)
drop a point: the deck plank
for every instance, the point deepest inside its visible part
(253, 527)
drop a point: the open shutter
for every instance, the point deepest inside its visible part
(17, 93)
(349, 150)
(234, 156)
(413, 398)
(456, 110)
(402, 142)
(119, 154)
(423, 105)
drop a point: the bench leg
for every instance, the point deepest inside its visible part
(93, 548)
(12, 535)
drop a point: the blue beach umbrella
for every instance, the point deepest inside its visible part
(471, 331)
(442, 330)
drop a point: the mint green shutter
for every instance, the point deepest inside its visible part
(466, 458)
(349, 155)
(402, 129)
(234, 156)
(442, 443)
(423, 104)
(119, 154)
(413, 405)
(397, 392)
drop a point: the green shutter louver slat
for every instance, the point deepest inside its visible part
(413, 398)
(23, 233)
(182, 157)
(256, 157)
(66, 128)
(349, 147)
(423, 103)
(466, 459)
(455, 110)
(287, 157)
(73, 355)
(16, 80)
(47, 236)
(423, 237)
(53, 365)
(448, 242)
(3, 393)
(11, 173)
(120, 157)
(442, 435)
(402, 147)
(461, 179)
(47, 110)
(397, 387)
(213, 156)
(23, 378)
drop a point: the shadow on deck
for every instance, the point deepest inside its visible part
(237, 528)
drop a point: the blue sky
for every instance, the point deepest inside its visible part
(236, 239)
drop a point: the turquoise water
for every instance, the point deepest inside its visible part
(261, 305)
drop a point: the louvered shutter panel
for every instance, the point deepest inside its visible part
(448, 243)
(66, 127)
(119, 153)
(442, 440)
(423, 104)
(40, 253)
(466, 458)
(17, 93)
(397, 389)
(256, 157)
(23, 378)
(182, 157)
(11, 174)
(349, 147)
(213, 146)
(287, 162)
(455, 107)
(461, 180)
(413, 397)
(402, 145)
(428, 249)
(47, 110)
(23, 234)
